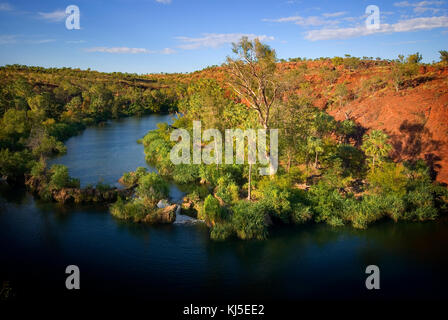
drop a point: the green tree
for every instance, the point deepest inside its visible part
(315, 147)
(414, 58)
(443, 55)
(61, 179)
(254, 78)
(401, 70)
(376, 147)
(14, 128)
(14, 164)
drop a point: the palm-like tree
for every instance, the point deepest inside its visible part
(315, 146)
(375, 146)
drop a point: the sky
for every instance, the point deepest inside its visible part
(152, 36)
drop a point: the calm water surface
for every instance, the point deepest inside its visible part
(179, 262)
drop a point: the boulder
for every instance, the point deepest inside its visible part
(162, 215)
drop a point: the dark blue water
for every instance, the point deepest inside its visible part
(103, 153)
(178, 262)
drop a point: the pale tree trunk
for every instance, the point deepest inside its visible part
(250, 181)
(315, 161)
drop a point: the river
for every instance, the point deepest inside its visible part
(178, 262)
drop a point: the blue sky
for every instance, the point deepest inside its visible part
(146, 36)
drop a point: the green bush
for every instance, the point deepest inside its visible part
(421, 204)
(186, 173)
(209, 174)
(248, 220)
(414, 58)
(38, 168)
(390, 177)
(362, 212)
(133, 210)
(221, 231)
(211, 212)
(227, 190)
(59, 178)
(152, 187)
(301, 213)
(131, 178)
(15, 164)
(443, 56)
(327, 202)
(337, 61)
(275, 198)
(62, 131)
(102, 187)
(48, 146)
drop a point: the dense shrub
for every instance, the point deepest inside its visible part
(132, 210)
(328, 204)
(185, 173)
(248, 220)
(221, 231)
(389, 178)
(131, 178)
(211, 212)
(59, 178)
(227, 190)
(274, 195)
(301, 213)
(13, 164)
(152, 187)
(443, 56)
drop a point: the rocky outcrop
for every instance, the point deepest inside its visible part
(190, 207)
(162, 215)
(75, 195)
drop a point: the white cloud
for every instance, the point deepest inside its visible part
(129, 50)
(19, 39)
(418, 4)
(215, 40)
(55, 16)
(420, 7)
(41, 41)
(164, 1)
(5, 6)
(287, 19)
(334, 14)
(306, 21)
(415, 24)
(75, 41)
(168, 51)
(420, 10)
(7, 39)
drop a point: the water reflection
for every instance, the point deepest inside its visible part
(162, 262)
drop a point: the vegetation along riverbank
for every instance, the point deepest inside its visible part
(355, 144)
